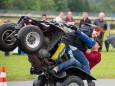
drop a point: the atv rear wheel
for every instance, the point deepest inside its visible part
(72, 81)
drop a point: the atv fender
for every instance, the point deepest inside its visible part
(79, 72)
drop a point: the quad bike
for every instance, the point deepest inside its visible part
(39, 39)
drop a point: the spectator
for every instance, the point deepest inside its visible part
(84, 20)
(29, 15)
(59, 18)
(44, 17)
(8, 21)
(69, 19)
(1, 22)
(102, 23)
(93, 55)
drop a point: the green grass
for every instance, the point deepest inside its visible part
(17, 66)
(106, 68)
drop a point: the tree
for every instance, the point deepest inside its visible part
(86, 6)
(78, 5)
(47, 5)
(107, 5)
(61, 5)
(5, 4)
(28, 5)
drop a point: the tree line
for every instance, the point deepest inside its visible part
(59, 5)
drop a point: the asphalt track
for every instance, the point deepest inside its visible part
(99, 82)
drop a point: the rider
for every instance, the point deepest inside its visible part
(74, 44)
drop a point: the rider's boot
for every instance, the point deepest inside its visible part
(33, 70)
(91, 84)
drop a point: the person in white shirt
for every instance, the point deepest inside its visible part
(59, 18)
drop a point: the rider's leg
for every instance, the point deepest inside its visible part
(83, 60)
(68, 63)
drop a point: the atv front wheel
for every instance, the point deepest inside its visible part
(42, 81)
(72, 81)
(30, 39)
(39, 81)
(8, 40)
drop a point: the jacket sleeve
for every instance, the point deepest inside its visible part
(88, 41)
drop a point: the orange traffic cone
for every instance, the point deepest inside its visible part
(3, 77)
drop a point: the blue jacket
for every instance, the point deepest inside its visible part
(80, 38)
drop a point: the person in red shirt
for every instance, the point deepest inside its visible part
(93, 55)
(69, 18)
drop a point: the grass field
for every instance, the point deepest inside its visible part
(17, 66)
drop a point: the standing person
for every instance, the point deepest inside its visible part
(69, 18)
(29, 15)
(102, 23)
(84, 20)
(93, 55)
(44, 17)
(59, 18)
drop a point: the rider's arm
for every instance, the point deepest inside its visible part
(88, 41)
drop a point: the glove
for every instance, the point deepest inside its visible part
(73, 27)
